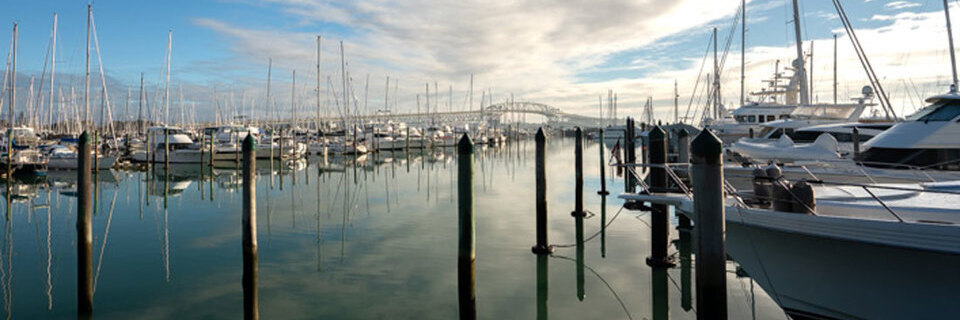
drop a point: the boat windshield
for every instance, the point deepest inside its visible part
(940, 111)
(824, 111)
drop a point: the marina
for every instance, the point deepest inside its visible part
(241, 194)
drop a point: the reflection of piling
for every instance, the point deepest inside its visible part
(709, 211)
(542, 246)
(249, 230)
(603, 169)
(661, 294)
(578, 230)
(603, 226)
(466, 272)
(659, 222)
(578, 168)
(543, 286)
(84, 230)
(685, 267)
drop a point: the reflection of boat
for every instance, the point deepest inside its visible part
(58, 177)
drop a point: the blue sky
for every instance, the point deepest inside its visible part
(515, 47)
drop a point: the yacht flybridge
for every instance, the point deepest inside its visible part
(928, 139)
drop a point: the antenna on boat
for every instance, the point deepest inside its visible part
(953, 59)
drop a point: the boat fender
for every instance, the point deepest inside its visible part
(782, 199)
(804, 200)
(761, 186)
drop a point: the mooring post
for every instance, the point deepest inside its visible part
(542, 247)
(202, 155)
(212, 152)
(856, 143)
(683, 146)
(84, 230)
(750, 133)
(466, 272)
(659, 220)
(629, 154)
(249, 220)
(603, 168)
(166, 148)
(708, 210)
(578, 168)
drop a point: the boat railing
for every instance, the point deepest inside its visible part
(739, 197)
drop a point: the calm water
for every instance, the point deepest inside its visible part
(372, 240)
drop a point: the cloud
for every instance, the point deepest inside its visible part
(536, 50)
(899, 5)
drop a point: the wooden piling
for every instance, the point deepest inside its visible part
(543, 246)
(249, 221)
(84, 230)
(603, 168)
(166, 148)
(708, 207)
(659, 221)
(213, 151)
(630, 153)
(578, 168)
(466, 272)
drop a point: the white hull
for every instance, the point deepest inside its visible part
(105, 163)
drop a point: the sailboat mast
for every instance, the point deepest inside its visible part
(471, 93)
(676, 102)
(53, 58)
(140, 111)
(166, 90)
(811, 71)
(834, 68)
(271, 114)
(319, 38)
(953, 59)
(716, 78)
(800, 65)
(743, 49)
(86, 85)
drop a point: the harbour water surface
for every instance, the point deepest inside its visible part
(373, 239)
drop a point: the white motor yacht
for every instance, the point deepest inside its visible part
(168, 141)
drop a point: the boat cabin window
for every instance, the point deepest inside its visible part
(751, 119)
(762, 118)
(784, 116)
(945, 112)
(771, 118)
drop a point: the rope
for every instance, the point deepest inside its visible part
(595, 234)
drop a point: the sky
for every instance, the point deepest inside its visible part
(565, 54)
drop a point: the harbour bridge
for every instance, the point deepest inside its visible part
(494, 114)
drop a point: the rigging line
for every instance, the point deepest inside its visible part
(609, 287)
(696, 84)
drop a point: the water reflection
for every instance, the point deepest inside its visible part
(340, 234)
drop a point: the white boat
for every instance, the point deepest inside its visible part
(784, 150)
(61, 157)
(180, 148)
(856, 257)
(927, 139)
